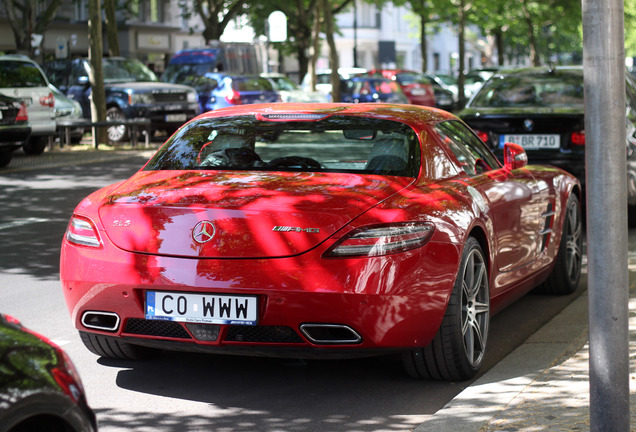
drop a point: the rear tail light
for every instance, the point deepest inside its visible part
(22, 114)
(82, 232)
(48, 101)
(382, 240)
(578, 138)
(234, 98)
(483, 135)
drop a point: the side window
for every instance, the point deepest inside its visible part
(470, 151)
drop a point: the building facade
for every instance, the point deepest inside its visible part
(370, 37)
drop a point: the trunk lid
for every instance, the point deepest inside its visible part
(237, 214)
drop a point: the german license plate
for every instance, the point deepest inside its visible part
(532, 141)
(175, 117)
(201, 308)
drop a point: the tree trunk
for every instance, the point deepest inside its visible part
(423, 44)
(499, 42)
(111, 28)
(534, 52)
(462, 51)
(24, 22)
(334, 61)
(96, 75)
(315, 52)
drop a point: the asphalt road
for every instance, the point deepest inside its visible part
(190, 392)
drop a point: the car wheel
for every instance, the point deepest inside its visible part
(5, 158)
(117, 133)
(111, 347)
(564, 278)
(457, 351)
(35, 145)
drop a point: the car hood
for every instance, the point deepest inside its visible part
(237, 214)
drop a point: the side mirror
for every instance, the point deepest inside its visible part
(514, 156)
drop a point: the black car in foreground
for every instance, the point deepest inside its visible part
(542, 109)
(40, 389)
(14, 127)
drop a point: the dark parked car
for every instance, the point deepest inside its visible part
(542, 109)
(220, 90)
(14, 127)
(363, 89)
(40, 389)
(132, 91)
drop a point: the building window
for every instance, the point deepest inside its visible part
(81, 11)
(436, 62)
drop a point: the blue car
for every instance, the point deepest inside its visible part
(219, 90)
(362, 89)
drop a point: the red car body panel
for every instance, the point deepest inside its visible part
(393, 301)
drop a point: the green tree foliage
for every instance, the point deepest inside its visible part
(630, 27)
(542, 29)
(215, 14)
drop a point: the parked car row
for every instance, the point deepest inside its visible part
(542, 109)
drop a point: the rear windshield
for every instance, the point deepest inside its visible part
(343, 144)
(544, 90)
(20, 74)
(381, 86)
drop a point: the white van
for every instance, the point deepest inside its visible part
(22, 78)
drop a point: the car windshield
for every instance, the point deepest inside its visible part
(407, 79)
(343, 144)
(520, 90)
(188, 74)
(20, 74)
(284, 83)
(382, 86)
(126, 70)
(257, 84)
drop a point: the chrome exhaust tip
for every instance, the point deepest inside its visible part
(322, 334)
(105, 321)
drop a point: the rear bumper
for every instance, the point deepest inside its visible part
(391, 302)
(12, 136)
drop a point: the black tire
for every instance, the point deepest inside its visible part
(5, 157)
(112, 347)
(118, 133)
(457, 351)
(35, 145)
(566, 273)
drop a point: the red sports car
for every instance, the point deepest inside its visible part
(317, 230)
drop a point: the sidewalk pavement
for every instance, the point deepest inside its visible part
(69, 155)
(541, 386)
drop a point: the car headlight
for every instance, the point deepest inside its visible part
(192, 97)
(140, 99)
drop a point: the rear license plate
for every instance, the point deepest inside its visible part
(418, 92)
(175, 117)
(532, 141)
(201, 308)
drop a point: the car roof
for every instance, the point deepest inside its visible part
(539, 70)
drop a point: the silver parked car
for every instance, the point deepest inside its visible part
(22, 78)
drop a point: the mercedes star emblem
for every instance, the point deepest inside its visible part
(203, 232)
